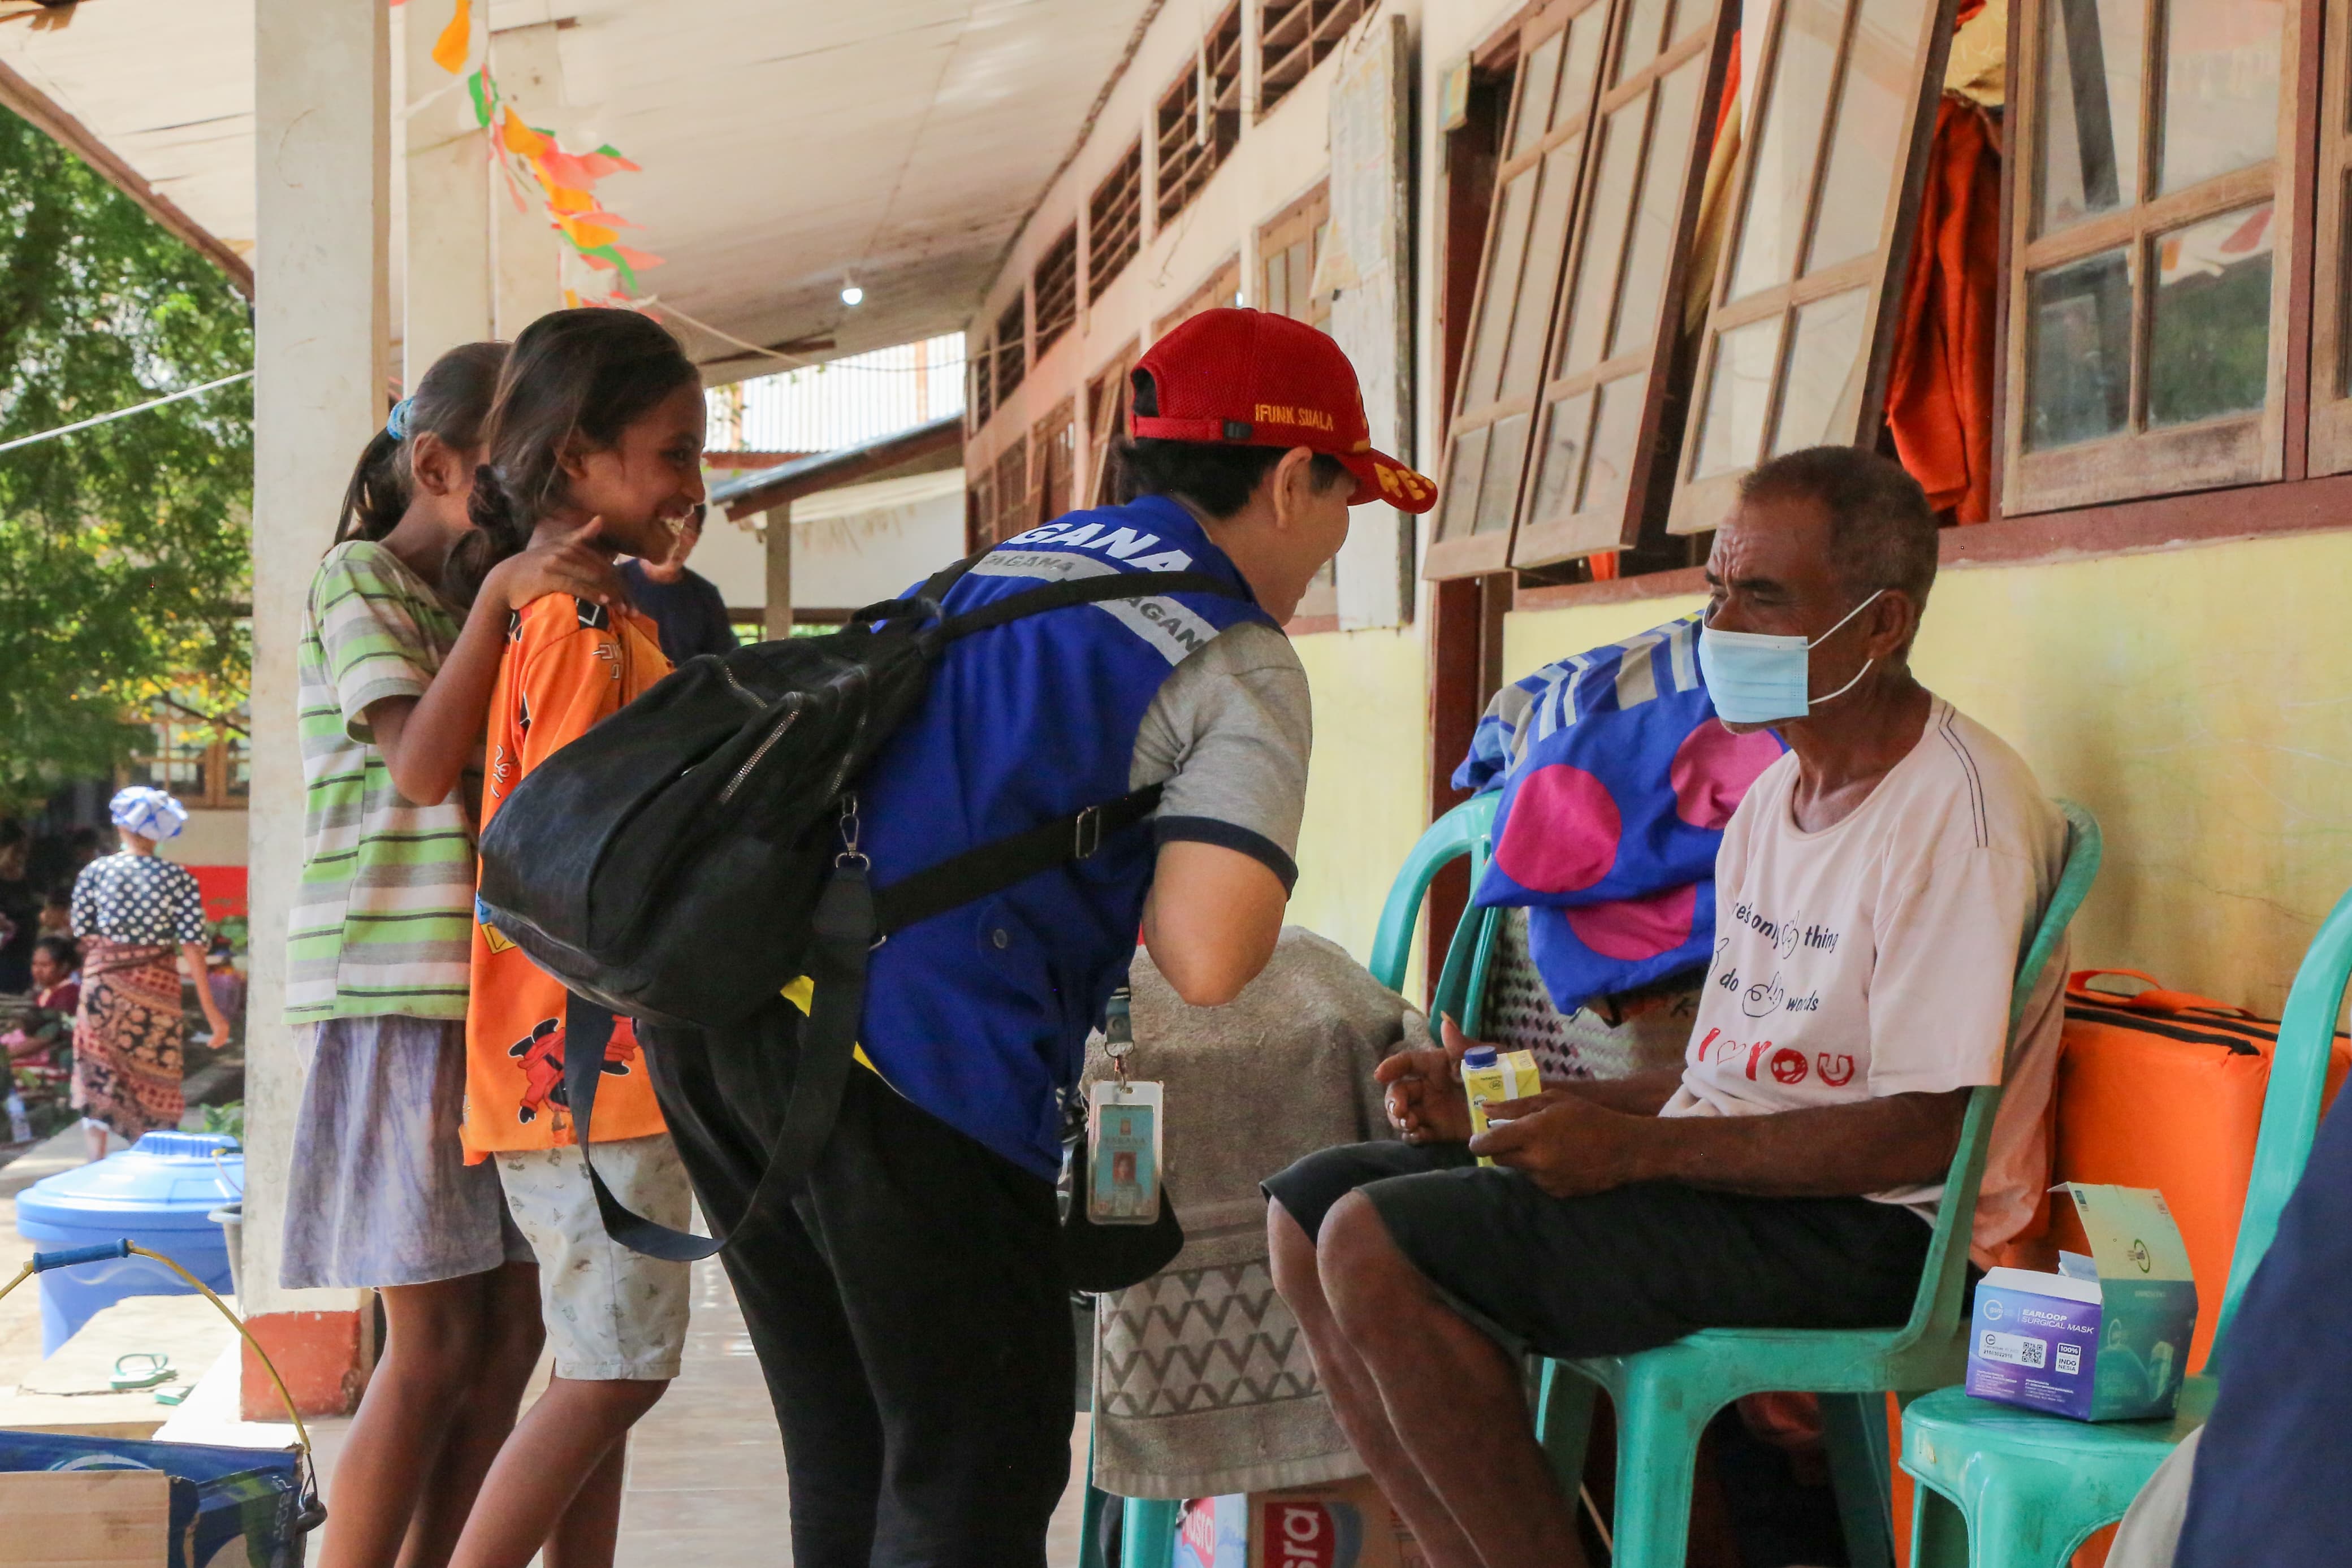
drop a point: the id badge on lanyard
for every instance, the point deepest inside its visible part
(1123, 1135)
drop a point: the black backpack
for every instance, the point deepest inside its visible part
(688, 856)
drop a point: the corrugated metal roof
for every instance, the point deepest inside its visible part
(849, 400)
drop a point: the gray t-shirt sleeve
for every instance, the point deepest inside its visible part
(1229, 735)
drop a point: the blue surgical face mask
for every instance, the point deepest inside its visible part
(1761, 677)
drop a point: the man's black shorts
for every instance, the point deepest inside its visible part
(1622, 1270)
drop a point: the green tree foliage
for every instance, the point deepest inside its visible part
(123, 550)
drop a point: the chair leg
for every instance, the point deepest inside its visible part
(1657, 1454)
(1564, 1426)
(1854, 1428)
(1939, 1535)
(1148, 1538)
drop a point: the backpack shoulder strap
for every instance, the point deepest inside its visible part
(1082, 590)
(844, 929)
(1000, 863)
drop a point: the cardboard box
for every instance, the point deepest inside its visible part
(2106, 1342)
(1343, 1524)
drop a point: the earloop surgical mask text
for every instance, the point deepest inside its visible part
(1761, 677)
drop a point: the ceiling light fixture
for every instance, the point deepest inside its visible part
(852, 295)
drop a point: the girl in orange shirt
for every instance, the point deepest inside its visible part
(595, 436)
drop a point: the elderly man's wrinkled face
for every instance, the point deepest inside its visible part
(1770, 572)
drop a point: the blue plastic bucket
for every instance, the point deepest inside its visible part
(159, 1193)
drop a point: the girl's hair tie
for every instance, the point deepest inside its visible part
(396, 427)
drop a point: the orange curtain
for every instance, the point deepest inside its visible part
(1939, 391)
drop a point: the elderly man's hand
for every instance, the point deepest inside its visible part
(1568, 1145)
(1424, 1098)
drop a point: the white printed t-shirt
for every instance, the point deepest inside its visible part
(1875, 956)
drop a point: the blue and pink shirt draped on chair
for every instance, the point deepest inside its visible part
(1617, 780)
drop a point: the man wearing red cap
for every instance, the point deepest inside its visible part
(913, 1316)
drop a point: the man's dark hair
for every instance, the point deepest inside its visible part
(1216, 477)
(1882, 531)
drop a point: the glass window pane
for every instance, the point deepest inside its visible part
(1502, 286)
(2078, 352)
(1662, 172)
(1773, 229)
(1881, 82)
(1523, 362)
(1577, 78)
(1500, 491)
(1739, 392)
(1646, 23)
(1615, 431)
(2209, 337)
(2220, 87)
(1562, 459)
(1610, 208)
(1462, 474)
(2090, 107)
(1277, 285)
(1535, 97)
(1825, 360)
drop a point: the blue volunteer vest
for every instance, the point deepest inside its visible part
(980, 1015)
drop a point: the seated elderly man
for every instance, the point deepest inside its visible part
(1873, 895)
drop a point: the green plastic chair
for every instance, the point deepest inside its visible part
(1467, 830)
(2003, 1487)
(1665, 1397)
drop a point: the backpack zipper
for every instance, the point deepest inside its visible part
(746, 692)
(752, 762)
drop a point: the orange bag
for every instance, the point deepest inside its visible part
(2164, 1088)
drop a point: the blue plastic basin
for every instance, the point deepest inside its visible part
(157, 1193)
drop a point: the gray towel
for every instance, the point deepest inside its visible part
(1204, 1383)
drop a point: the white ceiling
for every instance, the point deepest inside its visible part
(786, 144)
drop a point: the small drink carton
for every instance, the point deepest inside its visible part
(1491, 1077)
(2105, 1339)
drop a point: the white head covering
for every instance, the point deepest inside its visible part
(149, 812)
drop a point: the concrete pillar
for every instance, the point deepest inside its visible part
(526, 253)
(447, 275)
(322, 136)
(777, 616)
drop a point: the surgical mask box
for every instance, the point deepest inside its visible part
(2106, 1339)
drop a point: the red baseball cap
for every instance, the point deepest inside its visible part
(1255, 379)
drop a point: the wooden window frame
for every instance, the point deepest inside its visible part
(1054, 285)
(2328, 284)
(979, 512)
(1106, 392)
(1012, 352)
(1054, 443)
(214, 759)
(1472, 554)
(1012, 490)
(1473, 152)
(1700, 504)
(1294, 37)
(982, 400)
(1308, 218)
(1222, 286)
(2233, 449)
(1186, 163)
(1115, 222)
(1610, 523)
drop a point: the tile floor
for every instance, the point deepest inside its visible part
(705, 1479)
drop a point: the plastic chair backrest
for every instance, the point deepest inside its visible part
(1465, 829)
(2292, 1104)
(1935, 1309)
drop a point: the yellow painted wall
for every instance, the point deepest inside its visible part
(2199, 700)
(1366, 798)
